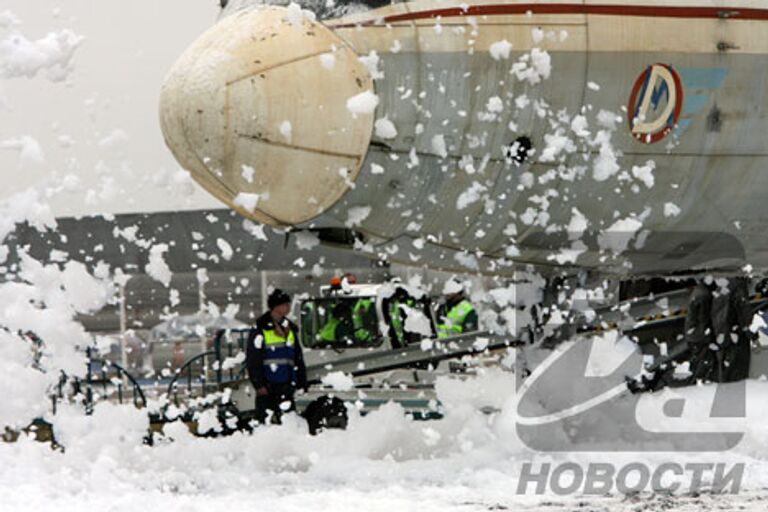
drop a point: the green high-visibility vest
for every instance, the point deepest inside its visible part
(279, 356)
(453, 323)
(397, 323)
(395, 312)
(274, 340)
(328, 332)
(357, 319)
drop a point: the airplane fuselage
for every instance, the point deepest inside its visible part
(627, 138)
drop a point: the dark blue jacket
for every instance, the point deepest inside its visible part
(255, 356)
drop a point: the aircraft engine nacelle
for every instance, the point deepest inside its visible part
(256, 110)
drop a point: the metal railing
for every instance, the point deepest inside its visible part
(205, 372)
(187, 372)
(101, 378)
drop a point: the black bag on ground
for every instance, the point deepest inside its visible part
(325, 412)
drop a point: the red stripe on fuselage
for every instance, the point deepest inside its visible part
(605, 10)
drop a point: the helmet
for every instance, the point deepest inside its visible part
(453, 285)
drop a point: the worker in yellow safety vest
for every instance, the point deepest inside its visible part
(339, 324)
(274, 359)
(456, 315)
(361, 319)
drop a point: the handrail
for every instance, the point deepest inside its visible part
(139, 398)
(133, 381)
(216, 354)
(188, 366)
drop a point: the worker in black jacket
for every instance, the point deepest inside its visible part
(274, 359)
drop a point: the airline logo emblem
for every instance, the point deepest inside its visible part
(655, 103)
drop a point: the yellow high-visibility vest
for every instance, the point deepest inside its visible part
(454, 321)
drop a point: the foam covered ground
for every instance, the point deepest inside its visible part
(466, 461)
